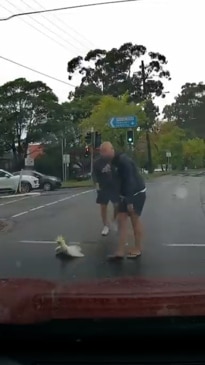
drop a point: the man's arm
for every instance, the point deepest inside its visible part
(94, 177)
(126, 175)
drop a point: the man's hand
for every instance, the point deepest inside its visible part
(130, 208)
(97, 186)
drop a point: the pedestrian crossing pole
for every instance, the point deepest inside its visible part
(64, 167)
(92, 150)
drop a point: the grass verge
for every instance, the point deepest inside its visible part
(147, 177)
(77, 184)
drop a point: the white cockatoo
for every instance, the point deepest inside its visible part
(73, 250)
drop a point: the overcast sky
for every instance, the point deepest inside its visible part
(47, 42)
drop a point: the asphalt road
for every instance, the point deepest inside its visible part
(174, 243)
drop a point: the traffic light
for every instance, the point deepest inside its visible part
(88, 138)
(93, 138)
(97, 139)
(130, 137)
(87, 152)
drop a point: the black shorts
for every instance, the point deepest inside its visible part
(138, 204)
(106, 196)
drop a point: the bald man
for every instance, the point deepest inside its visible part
(132, 198)
(107, 190)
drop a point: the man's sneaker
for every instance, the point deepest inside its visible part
(105, 231)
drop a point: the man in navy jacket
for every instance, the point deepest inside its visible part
(132, 192)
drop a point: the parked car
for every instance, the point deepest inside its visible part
(83, 176)
(47, 183)
(10, 182)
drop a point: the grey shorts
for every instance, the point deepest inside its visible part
(106, 196)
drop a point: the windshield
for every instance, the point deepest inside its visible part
(106, 124)
(38, 173)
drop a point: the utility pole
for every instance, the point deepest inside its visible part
(149, 151)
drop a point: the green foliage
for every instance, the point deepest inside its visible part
(50, 162)
(70, 114)
(151, 111)
(26, 109)
(189, 153)
(107, 108)
(188, 110)
(194, 153)
(169, 138)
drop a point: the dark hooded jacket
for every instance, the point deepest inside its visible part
(130, 181)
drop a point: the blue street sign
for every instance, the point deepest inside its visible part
(123, 122)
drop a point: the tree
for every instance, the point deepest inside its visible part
(108, 107)
(194, 152)
(51, 161)
(112, 72)
(26, 111)
(170, 138)
(188, 110)
(152, 111)
(68, 118)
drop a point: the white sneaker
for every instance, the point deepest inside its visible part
(105, 231)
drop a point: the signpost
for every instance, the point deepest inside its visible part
(168, 155)
(123, 122)
(29, 161)
(66, 162)
(66, 159)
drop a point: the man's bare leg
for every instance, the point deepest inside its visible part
(114, 220)
(103, 209)
(122, 223)
(115, 212)
(138, 234)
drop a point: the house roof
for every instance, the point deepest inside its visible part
(35, 150)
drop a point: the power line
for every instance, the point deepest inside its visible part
(37, 29)
(36, 71)
(59, 42)
(67, 26)
(51, 31)
(67, 8)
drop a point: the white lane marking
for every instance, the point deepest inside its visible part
(52, 203)
(39, 207)
(33, 241)
(48, 242)
(185, 245)
(20, 195)
(19, 214)
(12, 201)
